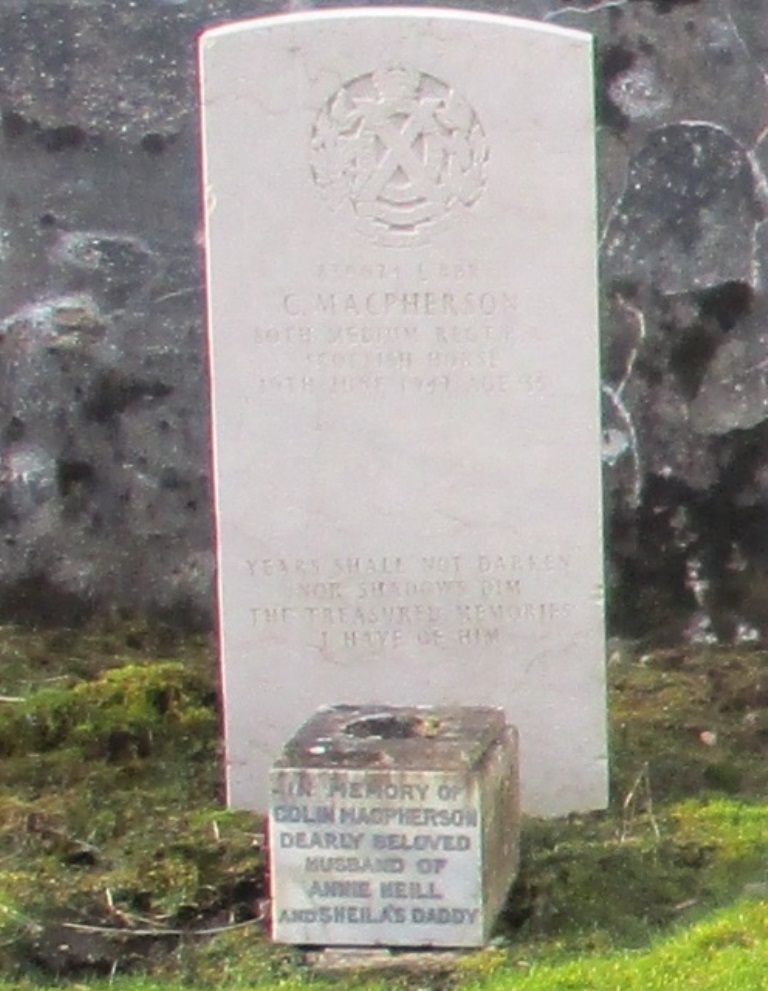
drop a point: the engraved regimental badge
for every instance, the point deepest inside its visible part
(400, 152)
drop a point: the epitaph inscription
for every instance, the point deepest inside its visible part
(352, 603)
(403, 331)
(359, 854)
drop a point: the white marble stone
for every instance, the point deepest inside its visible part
(403, 331)
(404, 840)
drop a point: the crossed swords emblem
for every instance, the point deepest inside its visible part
(403, 152)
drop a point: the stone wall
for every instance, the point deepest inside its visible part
(104, 471)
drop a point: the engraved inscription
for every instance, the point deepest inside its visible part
(425, 341)
(411, 859)
(401, 151)
(356, 604)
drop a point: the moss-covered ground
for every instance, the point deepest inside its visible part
(119, 863)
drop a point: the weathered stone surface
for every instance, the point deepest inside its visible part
(394, 826)
(100, 174)
(687, 217)
(371, 337)
(103, 408)
(99, 68)
(733, 393)
(382, 963)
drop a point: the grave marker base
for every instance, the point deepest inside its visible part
(394, 826)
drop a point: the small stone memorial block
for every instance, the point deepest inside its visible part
(401, 247)
(394, 826)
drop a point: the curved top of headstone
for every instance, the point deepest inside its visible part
(393, 199)
(391, 13)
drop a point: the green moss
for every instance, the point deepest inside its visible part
(111, 816)
(31, 659)
(728, 952)
(127, 713)
(109, 808)
(239, 958)
(696, 719)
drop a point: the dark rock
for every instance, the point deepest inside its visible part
(104, 460)
(733, 394)
(687, 218)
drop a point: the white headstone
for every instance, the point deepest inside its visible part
(403, 332)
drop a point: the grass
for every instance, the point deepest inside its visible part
(727, 952)
(121, 868)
